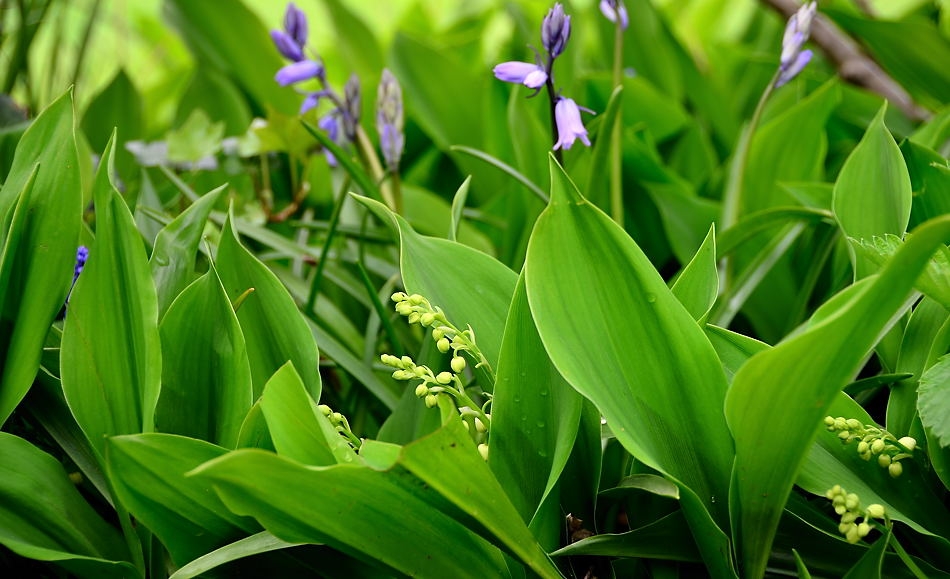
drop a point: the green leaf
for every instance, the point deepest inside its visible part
(273, 327)
(872, 196)
(148, 472)
(341, 505)
(634, 351)
(471, 287)
(598, 181)
(929, 180)
(118, 106)
(779, 397)
(934, 281)
(933, 402)
(448, 462)
(698, 284)
(668, 539)
(173, 258)
(195, 139)
(111, 351)
(262, 542)
(535, 413)
(39, 232)
(43, 516)
(299, 430)
(458, 206)
(869, 566)
(206, 376)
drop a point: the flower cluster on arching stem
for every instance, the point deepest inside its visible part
(555, 33)
(855, 521)
(448, 336)
(797, 31)
(873, 442)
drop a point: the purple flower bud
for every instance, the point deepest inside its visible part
(286, 45)
(351, 107)
(311, 101)
(330, 124)
(82, 254)
(299, 72)
(555, 31)
(791, 71)
(615, 10)
(526, 73)
(567, 116)
(390, 120)
(295, 23)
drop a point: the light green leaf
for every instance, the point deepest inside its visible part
(206, 377)
(634, 351)
(779, 397)
(39, 235)
(698, 284)
(933, 402)
(934, 281)
(653, 541)
(298, 429)
(262, 542)
(273, 327)
(148, 473)
(111, 351)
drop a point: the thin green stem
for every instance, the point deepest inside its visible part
(324, 254)
(552, 96)
(906, 558)
(616, 154)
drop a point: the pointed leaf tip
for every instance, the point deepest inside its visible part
(563, 189)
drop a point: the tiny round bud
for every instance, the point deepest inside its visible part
(427, 318)
(864, 529)
(325, 410)
(844, 435)
(403, 308)
(431, 400)
(438, 334)
(416, 300)
(875, 511)
(336, 417)
(443, 345)
(877, 447)
(422, 390)
(444, 377)
(419, 372)
(458, 364)
(863, 448)
(414, 317)
(852, 501)
(479, 425)
(849, 517)
(843, 528)
(908, 442)
(884, 460)
(854, 424)
(841, 509)
(852, 535)
(895, 469)
(406, 361)
(829, 421)
(483, 450)
(398, 297)
(402, 375)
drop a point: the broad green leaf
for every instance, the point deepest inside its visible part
(195, 139)
(929, 179)
(634, 351)
(298, 429)
(698, 284)
(206, 377)
(173, 258)
(535, 413)
(448, 462)
(242, 50)
(355, 41)
(43, 516)
(668, 539)
(471, 287)
(254, 432)
(148, 472)
(869, 567)
(429, 214)
(756, 223)
(40, 213)
(924, 333)
(119, 105)
(934, 281)
(872, 195)
(262, 542)
(111, 352)
(779, 397)
(933, 402)
(341, 506)
(342, 355)
(217, 96)
(273, 327)
(458, 206)
(598, 181)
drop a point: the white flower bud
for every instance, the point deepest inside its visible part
(875, 511)
(895, 469)
(416, 300)
(443, 345)
(444, 377)
(483, 450)
(398, 297)
(908, 442)
(458, 364)
(877, 447)
(422, 390)
(427, 318)
(479, 425)
(325, 410)
(431, 400)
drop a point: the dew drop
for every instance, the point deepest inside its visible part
(543, 393)
(540, 424)
(651, 298)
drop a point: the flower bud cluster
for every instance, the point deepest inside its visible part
(855, 521)
(342, 425)
(447, 336)
(873, 442)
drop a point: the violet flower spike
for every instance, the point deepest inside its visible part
(299, 72)
(82, 254)
(351, 107)
(614, 10)
(390, 121)
(295, 24)
(331, 125)
(555, 31)
(526, 73)
(797, 31)
(286, 45)
(567, 116)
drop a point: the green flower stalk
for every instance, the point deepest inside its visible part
(873, 442)
(855, 521)
(342, 425)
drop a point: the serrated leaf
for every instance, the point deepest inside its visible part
(933, 402)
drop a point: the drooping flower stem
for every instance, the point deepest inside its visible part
(552, 96)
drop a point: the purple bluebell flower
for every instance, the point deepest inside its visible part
(299, 72)
(295, 23)
(351, 107)
(614, 10)
(555, 31)
(567, 116)
(82, 254)
(530, 75)
(286, 45)
(390, 120)
(797, 31)
(330, 124)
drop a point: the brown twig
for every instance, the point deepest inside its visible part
(853, 65)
